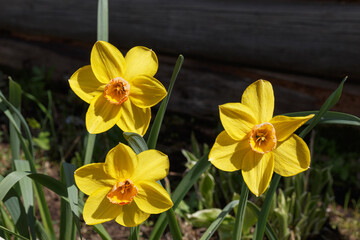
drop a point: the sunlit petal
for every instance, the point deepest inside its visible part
(154, 162)
(146, 91)
(285, 126)
(92, 177)
(131, 216)
(121, 162)
(84, 83)
(140, 61)
(259, 96)
(152, 198)
(257, 170)
(98, 208)
(134, 119)
(101, 115)
(107, 62)
(227, 154)
(291, 156)
(237, 120)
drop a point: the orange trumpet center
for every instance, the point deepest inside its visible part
(262, 138)
(122, 193)
(117, 91)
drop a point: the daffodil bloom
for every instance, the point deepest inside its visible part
(119, 90)
(124, 188)
(258, 143)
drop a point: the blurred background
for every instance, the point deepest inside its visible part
(305, 48)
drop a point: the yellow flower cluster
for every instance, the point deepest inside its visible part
(121, 90)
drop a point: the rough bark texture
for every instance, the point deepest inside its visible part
(304, 48)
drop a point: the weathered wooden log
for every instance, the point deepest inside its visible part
(201, 85)
(306, 37)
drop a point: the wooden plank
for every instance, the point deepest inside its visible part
(201, 86)
(306, 37)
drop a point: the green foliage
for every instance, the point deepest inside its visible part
(300, 211)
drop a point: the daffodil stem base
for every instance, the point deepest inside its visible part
(260, 227)
(241, 211)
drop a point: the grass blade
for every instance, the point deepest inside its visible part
(13, 233)
(69, 208)
(14, 98)
(330, 117)
(215, 224)
(241, 211)
(268, 229)
(17, 211)
(27, 194)
(329, 103)
(155, 129)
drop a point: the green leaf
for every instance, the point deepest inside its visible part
(15, 99)
(216, 223)
(173, 225)
(69, 208)
(10, 180)
(29, 154)
(268, 229)
(136, 142)
(329, 117)
(43, 140)
(27, 193)
(89, 149)
(155, 129)
(329, 103)
(206, 186)
(240, 213)
(13, 233)
(16, 210)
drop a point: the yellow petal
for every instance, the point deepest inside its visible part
(140, 61)
(92, 177)
(291, 156)
(101, 115)
(237, 120)
(146, 91)
(99, 209)
(120, 162)
(152, 198)
(131, 215)
(107, 62)
(153, 165)
(134, 119)
(227, 153)
(84, 83)
(257, 171)
(259, 96)
(285, 126)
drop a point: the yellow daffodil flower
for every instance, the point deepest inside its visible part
(258, 143)
(119, 90)
(124, 188)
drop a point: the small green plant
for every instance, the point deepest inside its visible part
(299, 211)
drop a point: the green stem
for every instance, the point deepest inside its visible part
(241, 211)
(134, 233)
(260, 227)
(103, 21)
(173, 224)
(15, 99)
